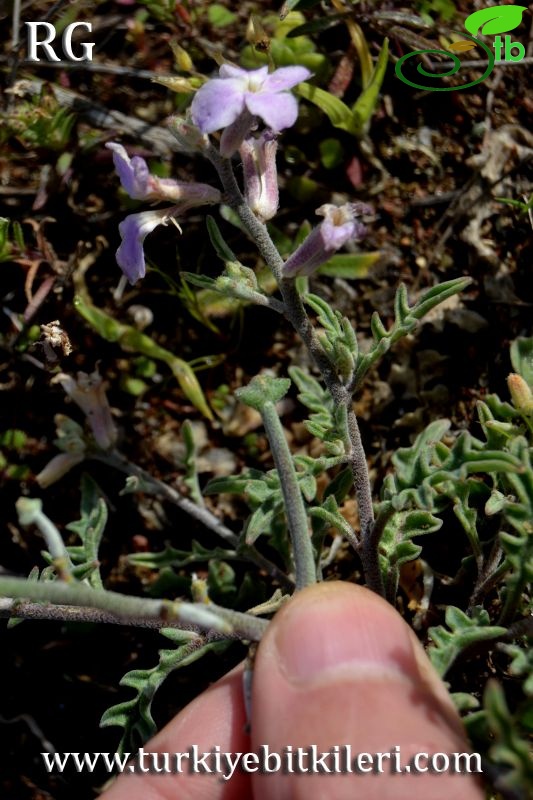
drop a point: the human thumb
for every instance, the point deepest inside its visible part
(340, 673)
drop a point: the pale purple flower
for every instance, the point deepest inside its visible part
(136, 227)
(140, 184)
(88, 392)
(70, 440)
(232, 100)
(57, 467)
(340, 225)
(134, 230)
(258, 157)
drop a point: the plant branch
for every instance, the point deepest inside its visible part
(209, 617)
(297, 316)
(201, 514)
(304, 561)
(24, 609)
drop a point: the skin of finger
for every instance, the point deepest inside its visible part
(216, 717)
(372, 710)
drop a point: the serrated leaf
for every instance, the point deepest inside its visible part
(135, 715)
(463, 631)
(308, 385)
(521, 663)
(261, 520)
(438, 294)
(90, 528)
(509, 749)
(307, 484)
(172, 557)
(330, 514)
(325, 313)
(263, 389)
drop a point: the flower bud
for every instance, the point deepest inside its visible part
(260, 174)
(520, 394)
(189, 137)
(57, 467)
(339, 226)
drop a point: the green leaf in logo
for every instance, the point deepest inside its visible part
(498, 19)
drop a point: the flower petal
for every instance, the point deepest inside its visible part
(218, 103)
(285, 78)
(336, 236)
(134, 229)
(133, 173)
(278, 111)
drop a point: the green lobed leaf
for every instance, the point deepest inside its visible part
(437, 294)
(462, 631)
(172, 557)
(330, 514)
(263, 389)
(135, 715)
(90, 528)
(261, 520)
(510, 749)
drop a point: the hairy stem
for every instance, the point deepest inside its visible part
(205, 616)
(304, 561)
(297, 316)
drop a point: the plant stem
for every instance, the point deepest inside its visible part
(296, 314)
(30, 513)
(24, 609)
(304, 561)
(205, 616)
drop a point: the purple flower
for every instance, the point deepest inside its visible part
(340, 225)
(232, 100)
(133, 173)
(134, 230)
(260, 174)
(140, 184)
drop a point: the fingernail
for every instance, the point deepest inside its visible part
(339, 631)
